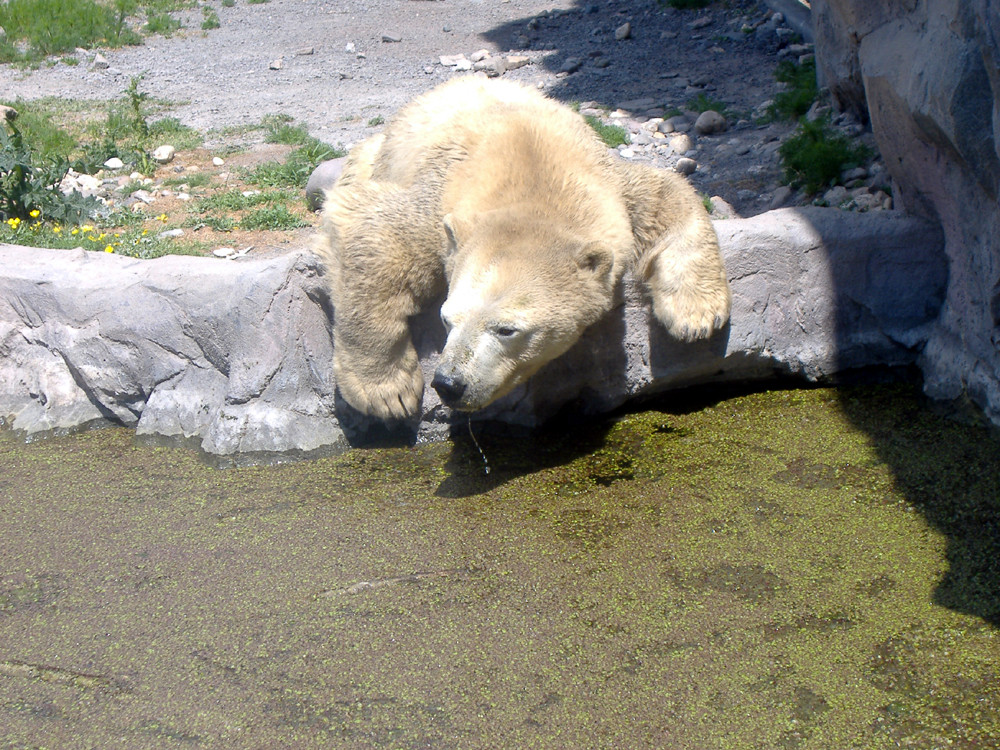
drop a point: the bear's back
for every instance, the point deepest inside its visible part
(444, 125)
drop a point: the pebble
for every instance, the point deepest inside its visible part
(101, 62)
(218, 161)
(623, 32)
(391, 39)
(171, 233)
(681, 144)
(164, 154)
(710, 122)
(686, 166)
(224, 252)
(571, 65)
(277, 64)
(114, 163)
(836, 196)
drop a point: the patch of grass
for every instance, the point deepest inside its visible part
(37, 28)
(816, 154)
(703, 103)
(271, 217)
(163, 24)
(295, 170)
(376, 121)
(127, 134)
(234, 200)
(192, 180)
(612, 135)
(795, 101)
(211, 18)
(126, 235)
(280, 129)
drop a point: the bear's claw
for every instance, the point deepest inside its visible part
(691, 316)
(395, 397)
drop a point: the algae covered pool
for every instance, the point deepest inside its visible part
(793, 569)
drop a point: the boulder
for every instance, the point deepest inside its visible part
(321, 179)
(236, 356)
(928, 76)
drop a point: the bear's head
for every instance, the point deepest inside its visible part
(521, 291)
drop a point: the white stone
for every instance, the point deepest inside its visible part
(114, 163)
(218, 161)
(164, 154)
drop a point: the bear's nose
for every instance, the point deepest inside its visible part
(449, 389)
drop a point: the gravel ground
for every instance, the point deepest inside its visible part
(337, 66)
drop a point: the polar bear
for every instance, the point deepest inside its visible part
(505, 202)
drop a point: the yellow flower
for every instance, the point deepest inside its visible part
(86, 228)
(35, 213)
(75, 230)
(162, 217)
(56, 229)
(109, 249)
(14, 222)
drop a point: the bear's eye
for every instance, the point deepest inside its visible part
(447, 322)
(505, 331)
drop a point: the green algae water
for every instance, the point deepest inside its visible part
(794, 569)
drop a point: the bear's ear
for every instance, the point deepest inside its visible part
(594, 258)
(457, 229)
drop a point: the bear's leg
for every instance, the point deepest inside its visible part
(677, 253)
(384, 265)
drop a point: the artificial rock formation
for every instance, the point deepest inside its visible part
(236, 355)
(927, 74)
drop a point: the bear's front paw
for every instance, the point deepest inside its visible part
(693, 313)
(394, 395)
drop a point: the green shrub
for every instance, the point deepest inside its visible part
(163, 24)
(376, 121)
(815, 155)
(29, 185)
(795, 101)
(612, 135)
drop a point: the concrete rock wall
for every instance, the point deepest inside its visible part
(927, 72)
(237, 355)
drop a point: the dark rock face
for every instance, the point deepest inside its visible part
(237, 355)
(928, 75)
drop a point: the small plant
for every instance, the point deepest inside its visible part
(211, 18)
(794, 101)
(612, 135)
(163, 24)
(29, 186)
(815, 155)
(703, 103)
(295, 170)
(281, 130)
(228, 3)
(376, 121)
